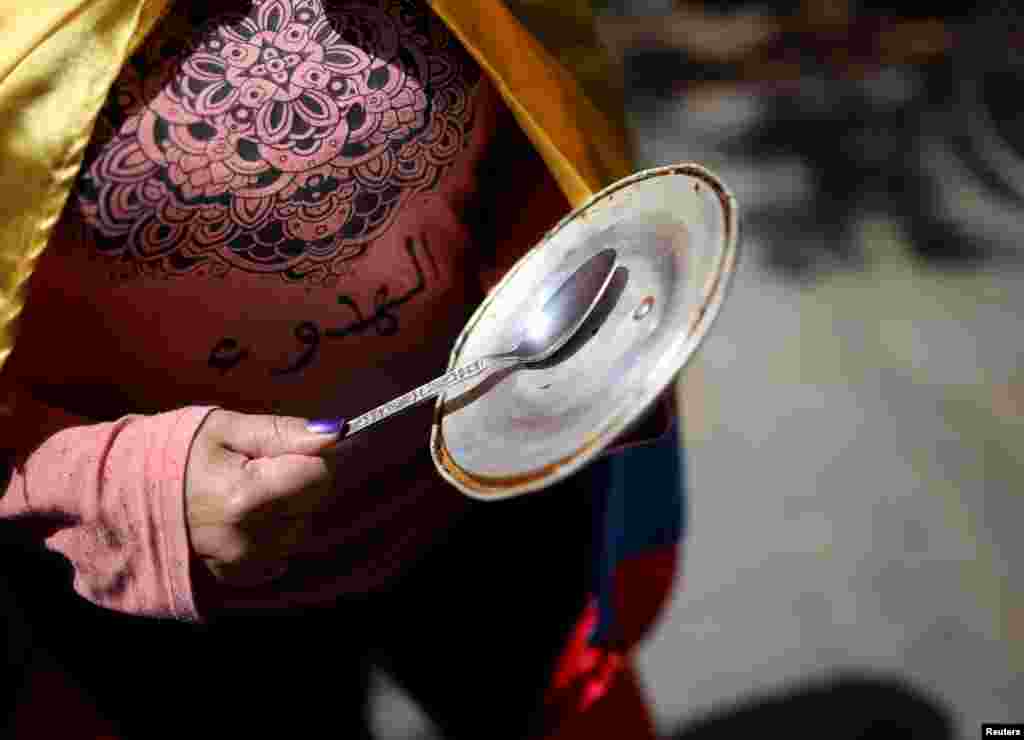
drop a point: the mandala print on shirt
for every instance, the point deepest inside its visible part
(279, 141)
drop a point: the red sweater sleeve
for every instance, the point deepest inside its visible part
(107, 496)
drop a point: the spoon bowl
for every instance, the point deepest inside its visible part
(551, 325)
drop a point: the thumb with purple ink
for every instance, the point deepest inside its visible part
(271, 436)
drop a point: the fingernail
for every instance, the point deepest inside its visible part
(325, 426)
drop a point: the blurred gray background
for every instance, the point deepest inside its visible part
(854, 425)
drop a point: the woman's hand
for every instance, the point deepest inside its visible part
(252, 486)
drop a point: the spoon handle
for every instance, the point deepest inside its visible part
(427, 391)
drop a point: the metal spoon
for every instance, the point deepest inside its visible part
(546, 330)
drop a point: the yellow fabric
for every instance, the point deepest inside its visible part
(59, 59)
(581, 147)
(568, 31)
(57, 64)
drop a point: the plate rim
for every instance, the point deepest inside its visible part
(715, 291)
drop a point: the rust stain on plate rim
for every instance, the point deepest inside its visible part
(499, 486)
(492, 488)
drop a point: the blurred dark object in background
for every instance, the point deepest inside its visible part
(890, 109)
(15, 638)
(847, 707)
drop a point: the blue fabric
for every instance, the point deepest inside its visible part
(639, 506)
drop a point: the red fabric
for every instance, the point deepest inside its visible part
(643, 586)
(596, 692)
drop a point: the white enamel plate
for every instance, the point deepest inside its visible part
(675, 233)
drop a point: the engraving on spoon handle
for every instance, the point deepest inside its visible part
(424, 392)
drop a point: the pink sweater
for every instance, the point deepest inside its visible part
(272, 218)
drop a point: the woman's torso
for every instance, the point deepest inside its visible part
(272, 217)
